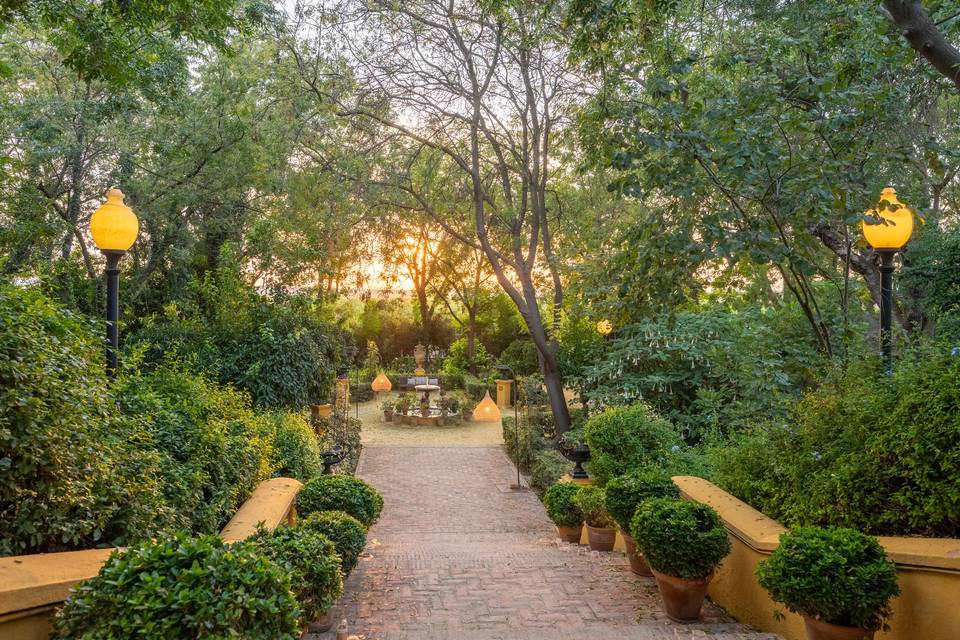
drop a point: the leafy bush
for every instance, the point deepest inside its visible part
(72, 472)
(214, 448)
(347, 533)
(181, 587)
(476, 389)
(277, 349)
(340, 493)
(836, 575)
(458, 361)
(360, 392)
(548, 467)
(624, 438)
(310, 560)
(561, 506)
(881, 458)
(523, 444)
(296, 450)
(521, 356)
(590, 500)
(625, 493)
(680, 538)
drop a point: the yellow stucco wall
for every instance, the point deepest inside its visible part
(929, 574)
(32, 587)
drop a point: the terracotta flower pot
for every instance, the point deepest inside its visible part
(388, 416)
(601, 538)
(682, 598)
(570, 534)
(638, 564)
(322, 625)
(820, 630)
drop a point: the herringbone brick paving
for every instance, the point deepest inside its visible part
(458, 555)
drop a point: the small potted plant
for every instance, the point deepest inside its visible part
(684, 542)
(455, 405)
(601, 531)
(839, 580)
(566, 515)
(387, 407)
(404, 402)
(625, 493)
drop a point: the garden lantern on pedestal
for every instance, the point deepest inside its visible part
(887, 228)
(114, 228)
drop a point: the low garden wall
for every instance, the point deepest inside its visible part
(33, 587)
(928, 572)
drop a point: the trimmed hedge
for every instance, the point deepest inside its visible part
(340, 493)
(181, 587)
(347, 533)
(838, 575)
(680, 538)
(311, 562)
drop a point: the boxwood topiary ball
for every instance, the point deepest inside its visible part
(182, 587)
(560, 506)
(340, 493)
(347, 533)
(311, 560)
(625, 493)
(835, 574)
(680, 538)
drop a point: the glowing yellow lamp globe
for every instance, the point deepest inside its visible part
(896, 227)
(114, 226)
(487, 410)
(604, 327)
(381, 383)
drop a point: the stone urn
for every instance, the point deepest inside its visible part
(420, 357)
(577, 455)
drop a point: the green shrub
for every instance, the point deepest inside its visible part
(548, 467)
(561, 508)
(837, 575)
(521, 356)
(680, 538)
(523, 444)
(624, 438)
(311, 562)
(458, 362)
(340, 493)
(73, 473)
(625, 493)
(180, 587)
(296, 450)
(590, 500)
(879, 457)
(360, 392)
(214, 448)
(347, 533)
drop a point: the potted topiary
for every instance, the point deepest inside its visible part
(346, 532)
(566, 515)
(387, 408)
(683, 542)
(839, 580)
(625, 493)
(601, 531)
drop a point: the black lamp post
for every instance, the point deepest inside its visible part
(114, 228)
(887, 228)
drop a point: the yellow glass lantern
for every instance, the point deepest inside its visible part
(487, 410)
(114, 226)
(897, 225)
(381, 383)
(604, 327)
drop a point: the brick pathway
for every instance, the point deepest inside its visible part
(457, 555)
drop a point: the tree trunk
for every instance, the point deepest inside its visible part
(923, 35)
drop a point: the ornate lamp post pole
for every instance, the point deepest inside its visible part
(887, 229)
(114, 228)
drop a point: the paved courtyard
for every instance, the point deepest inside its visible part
(458, 555)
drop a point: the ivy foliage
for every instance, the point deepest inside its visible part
(832, 574)
(182, 587)
(680, 538)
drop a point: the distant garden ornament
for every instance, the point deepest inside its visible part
(381, 383)
(420, 356)
(487, 410)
